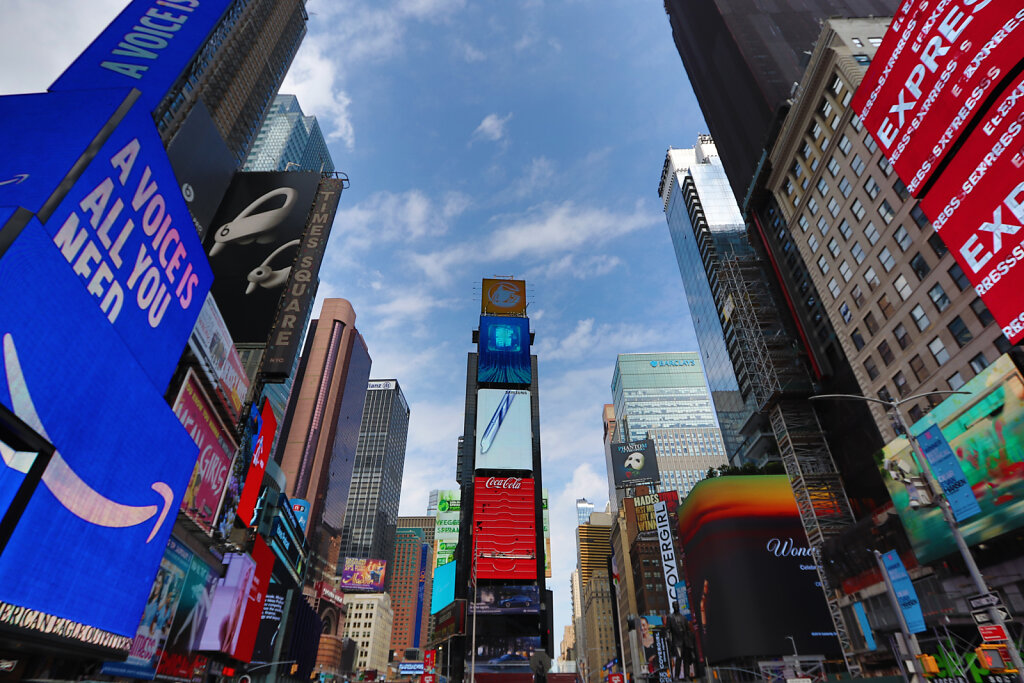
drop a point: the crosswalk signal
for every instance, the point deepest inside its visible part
(929, 666)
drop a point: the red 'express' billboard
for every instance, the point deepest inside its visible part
(939, 62)
(504, 521)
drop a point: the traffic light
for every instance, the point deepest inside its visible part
(995, 658)
(929, 666)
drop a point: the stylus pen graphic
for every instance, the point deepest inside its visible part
(487, 440)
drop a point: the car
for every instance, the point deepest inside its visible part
(516, 601)
(510, 659)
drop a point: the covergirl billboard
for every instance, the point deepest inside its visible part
(749, 572)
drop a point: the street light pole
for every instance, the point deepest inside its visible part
(947, 511)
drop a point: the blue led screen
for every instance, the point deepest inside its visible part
(90, 540)
(443, 591)
(147, 47)
(504, 350)
(127, 235)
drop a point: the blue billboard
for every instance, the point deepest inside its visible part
(119, 221)
(147, 47)
(91, 538)
(504, 350)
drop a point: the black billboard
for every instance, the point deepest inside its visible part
(270, 623)
(634, 463)
(253, 244)
(750, 575)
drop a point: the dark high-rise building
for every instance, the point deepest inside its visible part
(369, 530)
(744, 58)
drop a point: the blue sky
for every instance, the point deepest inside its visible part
(522, 137)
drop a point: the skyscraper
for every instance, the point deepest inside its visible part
(372, 511)
(743, 62)
(663, 397)
(583, 509)
(410, 588)
(704, 222)
(596, 640)
(289, 139)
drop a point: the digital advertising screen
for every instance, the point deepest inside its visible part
(216, 451)
(146, 46)
(985, 430)
(121, 227)
(446, 525)
(506, 528)
(106, 504)
(508, 599)
(227, 611)
(179, 661)
(258, 465)
(750, 574)
(443, 589)
(253, 241)
(503, 353)
(504, 437)
(938, 63)
(218, 357)
(363, 575)
(504, 654)
(634, 463)
(270, 623)
(503, 297)
(264, 558)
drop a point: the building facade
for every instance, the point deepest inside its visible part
(410, 588)
(372, 512)
(598, 648)
(289, 139)
(743, 61)
(664, 397)
(369, 624)
(583, 509)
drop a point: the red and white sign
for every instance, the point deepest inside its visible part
(504, 483)
(977, 207)
(505, 530)
(260, 453)
(429, 660)
(428, 678)
(616, 678)
(216, 451)
(939, 62)
(264, 558)
(325, 592)
(992, 633)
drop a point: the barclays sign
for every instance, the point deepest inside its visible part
(674, 363)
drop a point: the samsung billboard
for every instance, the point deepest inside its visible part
(504, 437)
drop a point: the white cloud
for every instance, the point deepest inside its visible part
(538, 175)
(590, 339)
(315, 80)
(492, 128)
(579, 268)
(471, 54)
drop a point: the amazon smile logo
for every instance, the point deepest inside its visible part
(67, 487)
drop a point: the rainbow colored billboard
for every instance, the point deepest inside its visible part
(363, 575)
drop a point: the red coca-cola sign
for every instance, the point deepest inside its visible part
(504, 483)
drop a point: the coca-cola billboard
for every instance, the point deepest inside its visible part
(938, 64)
(216, 451)
(505, 528)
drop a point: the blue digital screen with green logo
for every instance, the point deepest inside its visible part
(504, 350)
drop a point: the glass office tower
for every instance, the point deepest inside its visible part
(289, 139)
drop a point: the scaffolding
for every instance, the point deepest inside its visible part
(744, 298)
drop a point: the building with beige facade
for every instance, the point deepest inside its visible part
(369, 624)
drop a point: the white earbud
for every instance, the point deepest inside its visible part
(247, 228)
(265, 276)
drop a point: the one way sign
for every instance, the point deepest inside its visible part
(981, 616)
(984, 600)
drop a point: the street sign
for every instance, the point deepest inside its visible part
(992, 632)
(981, 616)
(984, 600)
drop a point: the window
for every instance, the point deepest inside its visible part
(833, 246)
(958, 328)
(806, 150)
(938, 350)
(901, 190)
(955, 381)
(886, 167)
(797, 169)
(871, 232)
(1002, 344)
(885, 306)
(871, 323)
(833, 206)
(979, 363)
(822, 265)
(845, 145)
(981, 311)
(903, 288)
(918, 215)
(802, 222)
(959, 279)
(862, 59)
(886, 258)
(870, 367)
(875, 41)
(844, 310)
(857, 338)
(869, 142)
(833, 167)
(902, 238)
(836, 85)
(884, 394)
(920, 266)
(815, 130)
(937, 245)
(902, 388)
(812, 242)
(822, 187)
(788, 186)
(812, 206)
(833, 287)
(885, 352)
(871, 277)
(871, 187)
(939, 298)
(858, 165)
(858, 209)
(920, 318)
(886, 212)
(858, 296)
(846, 187)
(855, 122)
(857, 42)
(858, 252)
(900, 332)
(823, 226)
(918, 368)
(825, 107)
(845, 270)
(845, 230)
(915, 413)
